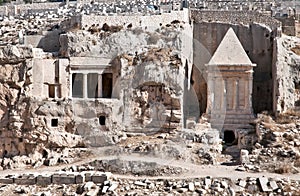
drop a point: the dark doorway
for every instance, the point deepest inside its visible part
(102, 120)
(107, 85)
(51, 91)
(77, 85)
(229, 137)
(54, 122)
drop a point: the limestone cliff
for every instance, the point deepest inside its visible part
(23, 126)
(286, 74)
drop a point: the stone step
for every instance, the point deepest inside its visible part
(231, 121)
(241, 116)
(231, 126)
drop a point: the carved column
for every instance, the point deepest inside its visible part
(213, 89)
(210, 93)
(100, 86)
(71, 85)
(235, 93)
(224, 94)
(250, 86)
(84, 86)
(247, 94)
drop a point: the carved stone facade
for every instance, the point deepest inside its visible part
(102, 84)
(229, 85)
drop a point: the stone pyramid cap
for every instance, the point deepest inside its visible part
(230, 52)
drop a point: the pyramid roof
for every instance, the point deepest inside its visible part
(230, 51)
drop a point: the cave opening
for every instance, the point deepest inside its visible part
(229, 137)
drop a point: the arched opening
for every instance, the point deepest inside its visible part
(229, 137)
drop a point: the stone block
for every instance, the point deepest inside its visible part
(113, 186)
(263, 182)
(105, 189)
(99, 177)
(207, 181)
(67, 179)
(63, 179)
(244, 156)
(51, 161)
(43, 180)
(139, 183)
(191, 186)
(273, 185)
(88, 186)
(25, 180)
(56, 179)
(4, 180)
(242, 183)
(79, 178)
(93, 192)
(88, 176)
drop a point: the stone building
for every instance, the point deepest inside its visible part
(229, 86)
(230, 83)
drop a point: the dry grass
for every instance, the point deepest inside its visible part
(283, 169)
(296, 50)
(297, 162)
(284, 119)
(265, 117)
(288, 117)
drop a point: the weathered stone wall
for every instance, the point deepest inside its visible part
(58, 178)
(235, 17)
(149, 21)
(257, 40)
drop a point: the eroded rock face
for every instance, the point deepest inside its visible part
(24, 121)
(144, 64)
(14, 54)
(3, 102)
(287, 74)
(35, 118)
(104, 44)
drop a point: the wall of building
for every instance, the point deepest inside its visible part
(236, 17)
(138, 20)
(45, 71)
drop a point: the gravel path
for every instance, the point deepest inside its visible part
(194, 171)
